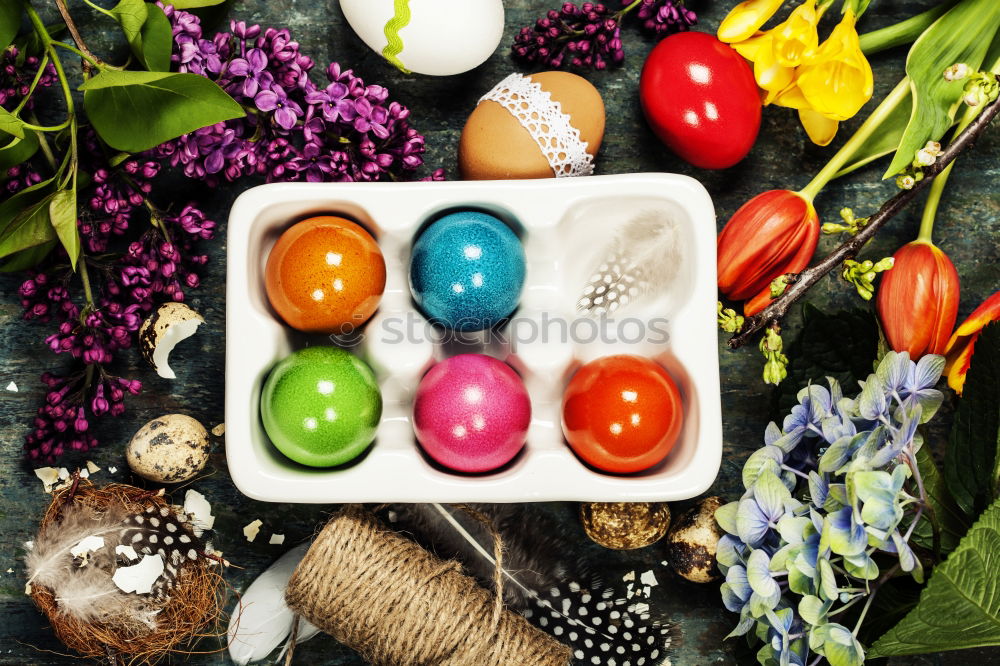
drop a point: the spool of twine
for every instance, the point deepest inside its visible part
(398, 605)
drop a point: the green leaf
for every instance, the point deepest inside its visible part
(193, 4)
(962, 35)
(157, 41)
(841, 345)
(131, 15)
(62, 213)
(970, 468)
(10, 22)
(14, 150)
(29, 196)
(11, 124)
(960, 607)
(135, 111)
(29, 228)
(951, 521)
(25, 259)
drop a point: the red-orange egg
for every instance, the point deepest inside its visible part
(325, 275)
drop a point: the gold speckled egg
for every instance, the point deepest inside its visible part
(625, 525)
(494, 144)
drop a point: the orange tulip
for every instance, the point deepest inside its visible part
(918, 299)
(958, 352)
(772, 234)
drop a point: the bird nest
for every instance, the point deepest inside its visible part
(193, 608)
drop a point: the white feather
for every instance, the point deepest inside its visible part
(262, 621)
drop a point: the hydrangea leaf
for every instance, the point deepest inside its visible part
(972, 465)
(960, 607)
(952, 522)
(839, 344)
(135, 111)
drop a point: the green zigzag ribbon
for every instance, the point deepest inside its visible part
(394, 44)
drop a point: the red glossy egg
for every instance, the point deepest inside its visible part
(700, 98)
(622, 413)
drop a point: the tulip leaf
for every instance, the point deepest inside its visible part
(973, 461)
(959, 608)
(135, 111)
(962, 35)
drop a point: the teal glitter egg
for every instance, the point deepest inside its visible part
(467, 271)
(321, 406)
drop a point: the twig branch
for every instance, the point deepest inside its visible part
(802, 282)
(75, 33)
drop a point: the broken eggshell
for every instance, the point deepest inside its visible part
(168, 449)
(692, 543)
(162, 330)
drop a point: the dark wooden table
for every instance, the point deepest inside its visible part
(967, 230)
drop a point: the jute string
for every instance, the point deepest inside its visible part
(398, 605)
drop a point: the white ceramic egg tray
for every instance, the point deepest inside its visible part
(567, 227)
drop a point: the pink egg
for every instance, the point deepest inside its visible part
(471, 413)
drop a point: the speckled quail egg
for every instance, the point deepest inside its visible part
(169, 449)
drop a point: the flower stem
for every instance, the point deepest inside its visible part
(802, 282)
(860, 137)
(931, 206)
(75, 33)
(903, 32)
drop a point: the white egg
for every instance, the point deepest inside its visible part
(441, 38)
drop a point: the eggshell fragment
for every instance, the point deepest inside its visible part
(160, 333)
(141, 577)
(169, 449)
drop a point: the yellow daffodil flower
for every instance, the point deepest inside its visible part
(746, 18)
(776, 53)
(831, 84)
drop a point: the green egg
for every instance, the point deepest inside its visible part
(321, 406)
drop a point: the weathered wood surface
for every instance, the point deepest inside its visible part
(967, 229)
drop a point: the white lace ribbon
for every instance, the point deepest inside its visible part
(544, 119)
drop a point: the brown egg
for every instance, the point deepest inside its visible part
(494, 145)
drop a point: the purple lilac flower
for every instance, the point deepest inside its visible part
(661, 17)
(344, 130)
(589, 35)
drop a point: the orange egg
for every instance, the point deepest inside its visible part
(325, 275)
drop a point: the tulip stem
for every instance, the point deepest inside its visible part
(931, 206)
(800, 283)
(857, 140)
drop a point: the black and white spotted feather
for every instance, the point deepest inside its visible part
(642, 257)
(559, 597)
(158, 531)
